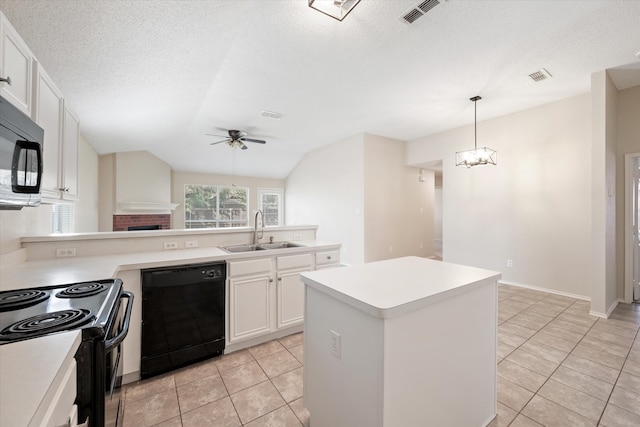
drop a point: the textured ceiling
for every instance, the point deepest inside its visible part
(159, 75)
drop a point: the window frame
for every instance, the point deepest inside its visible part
(262, 191)
(217, 209)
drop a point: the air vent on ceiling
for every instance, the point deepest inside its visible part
(419, 10)
(540, 75)
(271, 115)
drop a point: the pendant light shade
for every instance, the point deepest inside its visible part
(337, 9)
(477, 156)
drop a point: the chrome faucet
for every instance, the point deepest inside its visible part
(257, 236)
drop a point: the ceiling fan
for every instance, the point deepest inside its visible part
(236, 139)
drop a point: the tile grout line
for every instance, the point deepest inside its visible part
(618, 378)
(560, 364)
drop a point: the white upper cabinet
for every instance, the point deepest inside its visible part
(48, 114)
(35, 93)
(15, 67)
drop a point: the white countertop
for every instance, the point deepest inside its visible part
(63, 271)
(29, 370)
(389, 288)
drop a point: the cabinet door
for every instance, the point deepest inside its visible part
(16, 64)
(48, 114)
(70, 137)
(249, 306)
(290, 294)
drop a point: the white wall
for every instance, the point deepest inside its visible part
(25, 222)
(326, 188)
(628, 139)
(533, 207)
(180, 179)
(134, 176)
(398, 208)
(142, 177)
(37, 221)
(361, 194)
(86, 209)
(603, 158)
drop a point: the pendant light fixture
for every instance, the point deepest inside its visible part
(477, 156)
(337, 9)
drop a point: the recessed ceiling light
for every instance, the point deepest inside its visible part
(271, 115)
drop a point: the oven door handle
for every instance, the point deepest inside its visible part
(113, 342)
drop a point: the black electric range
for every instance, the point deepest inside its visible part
(95, 308)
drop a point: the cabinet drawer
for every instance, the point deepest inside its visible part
(329, 257)
(293, 261)
(254, 266)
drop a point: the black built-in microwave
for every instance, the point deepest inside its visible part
(21, 142)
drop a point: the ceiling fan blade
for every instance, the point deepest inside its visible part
(213, 134)
(220, 142)
(242, 146)
(259, 141)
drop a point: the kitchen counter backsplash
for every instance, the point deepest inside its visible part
(65, 246)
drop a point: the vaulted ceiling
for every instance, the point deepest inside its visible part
(159, 75)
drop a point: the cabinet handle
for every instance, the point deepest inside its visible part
(64, 189)
(270, 280)
(7, 80)
(279, 279)
(329, 257)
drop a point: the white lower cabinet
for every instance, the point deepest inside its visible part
(255, 306)
(250, 301)
(250, 311)
(290, 289)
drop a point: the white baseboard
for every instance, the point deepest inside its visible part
(609, 311)
(551, 291)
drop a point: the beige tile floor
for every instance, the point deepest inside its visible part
(557, 366)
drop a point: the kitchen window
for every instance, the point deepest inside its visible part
(62, 218)
(270, 201)
(215, 206)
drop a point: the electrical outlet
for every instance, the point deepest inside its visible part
(509, 263)
(390, 249)
(171, 245)
(421, 245)
(191, 244)
(297, 237)
(65, 252)
(336, 344)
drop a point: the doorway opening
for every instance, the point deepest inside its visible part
(436, 167)
(632, 223)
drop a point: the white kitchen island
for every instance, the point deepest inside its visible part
(402, 342)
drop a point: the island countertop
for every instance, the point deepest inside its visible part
(393, 287)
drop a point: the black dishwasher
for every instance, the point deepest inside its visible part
(183, 316)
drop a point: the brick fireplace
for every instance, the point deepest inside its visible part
(123, 222)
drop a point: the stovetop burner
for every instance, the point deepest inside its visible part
(81, 290)
(14, 300)
(46, 323)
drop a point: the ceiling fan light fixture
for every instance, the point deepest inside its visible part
(476, 156)
(337, 9)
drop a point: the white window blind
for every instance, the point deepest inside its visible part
(62, 218)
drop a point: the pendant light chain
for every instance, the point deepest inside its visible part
(475, 124)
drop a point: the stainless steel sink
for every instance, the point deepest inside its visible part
(242, 248)
(279, 245)
(259, 247)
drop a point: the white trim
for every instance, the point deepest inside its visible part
(551, 291)
(272, 190)
(628, 240)
(609, 311)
